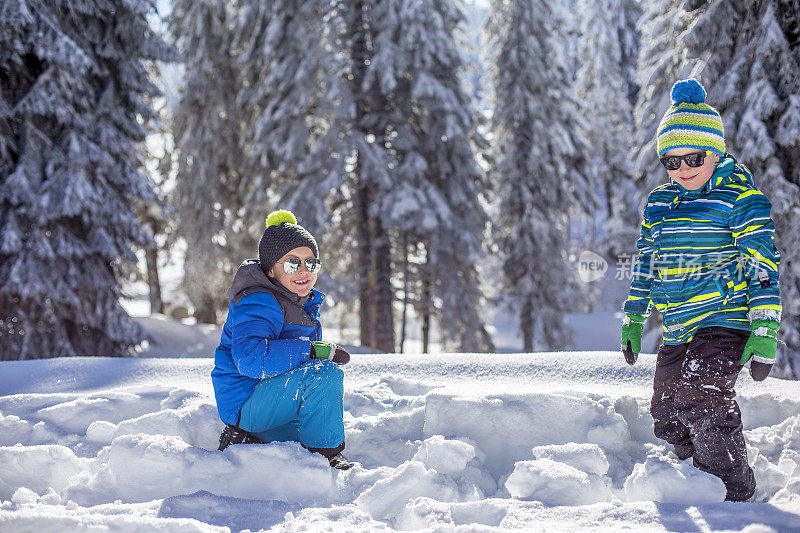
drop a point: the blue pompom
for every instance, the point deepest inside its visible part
(688, 91)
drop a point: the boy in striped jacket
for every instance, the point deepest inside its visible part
(707, 261)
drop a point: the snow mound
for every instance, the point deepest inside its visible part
(664, 481)
(446, 456)
(586, 457)
(555, 483)
(130, 445)
(37, 468)
(144, 467)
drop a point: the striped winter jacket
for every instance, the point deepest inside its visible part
(707, 257)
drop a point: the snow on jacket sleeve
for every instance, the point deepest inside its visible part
(257, 351)
(642, 271)
(754, 234)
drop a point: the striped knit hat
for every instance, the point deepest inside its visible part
(690, 122)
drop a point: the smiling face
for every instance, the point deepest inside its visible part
(302, 281)
(692, 178)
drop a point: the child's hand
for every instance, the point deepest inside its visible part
(329, 350)
(632, 337)
(763, 343)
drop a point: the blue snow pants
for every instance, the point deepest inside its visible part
(303, 405)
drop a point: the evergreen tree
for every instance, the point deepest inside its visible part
(429, 130)
(660, 64)
(73, 110)
(606, 87)
(282, 53)
(749, 61)
(208, 122)
(540, 171)
(391, 157)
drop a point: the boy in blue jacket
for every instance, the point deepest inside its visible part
(274, 379)
(708, 262)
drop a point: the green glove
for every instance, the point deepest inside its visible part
(762, 345)
(329, 350)
(632, 337)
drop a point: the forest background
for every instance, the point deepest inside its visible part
(463, 165)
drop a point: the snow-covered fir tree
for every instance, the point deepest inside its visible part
(429, 132)
(391, 158)
(748, 57)
(539, 165)
(207, 133)
(606, 88)
(282, 55)
(73, 111)
(660, 64)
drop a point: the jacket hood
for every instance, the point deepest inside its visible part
(727, 171)
(251, 278)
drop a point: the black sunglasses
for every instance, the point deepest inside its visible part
(673, 162)
(292, 265)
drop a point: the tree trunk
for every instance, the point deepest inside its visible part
(359, 57)
(375, 288)
(426, 314)
(364, 280)
(526, 324)
(383, 291)
(405, 294)
(156, 303)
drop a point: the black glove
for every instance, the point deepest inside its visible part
(630, 356)
(329, 350)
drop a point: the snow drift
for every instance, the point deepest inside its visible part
(535, 442)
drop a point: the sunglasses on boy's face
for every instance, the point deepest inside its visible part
(673, 162)
(292, 265)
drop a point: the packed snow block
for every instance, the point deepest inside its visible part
(406, 387)
(775, 455)
(386, 439)
(772, 441)
(197, 423)
(235, 513)
(387, 497)
(14, 430)
(764, 410)
(586, 457)
(660, 480)
(445, 456)
(146, 467)
(76, 415)
(100, 432)
(506, 426)
(44, 519)
(379, 398)
(37, 468)
(555, 483)
(24, 495)
(432, 515)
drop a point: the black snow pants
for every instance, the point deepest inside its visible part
(693, 406)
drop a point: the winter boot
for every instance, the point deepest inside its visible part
(236, 435)
(339, 462)
(333, 455)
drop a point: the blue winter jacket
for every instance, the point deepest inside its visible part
(268, 332)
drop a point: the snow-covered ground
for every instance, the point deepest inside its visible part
(535, 442)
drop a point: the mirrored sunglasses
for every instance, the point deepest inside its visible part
(673, 162)
(292, 265)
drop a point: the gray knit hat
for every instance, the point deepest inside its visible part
(283, 234)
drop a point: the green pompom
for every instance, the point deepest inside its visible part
(279, 217)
